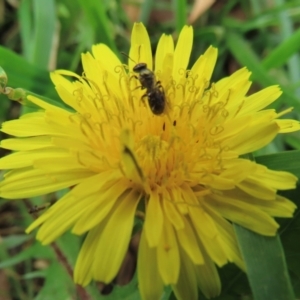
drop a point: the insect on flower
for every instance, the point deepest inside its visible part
(154, 90)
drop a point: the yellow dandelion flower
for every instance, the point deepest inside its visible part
(182, 163)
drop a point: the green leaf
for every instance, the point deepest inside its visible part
(284, 161)
(23, 74)
(265, 264)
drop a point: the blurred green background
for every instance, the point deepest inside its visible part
(38, 36)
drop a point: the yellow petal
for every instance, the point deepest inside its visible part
(208, 235)
(168, 254)
(85, 259)
(172, 212)
(255, 138)
(188, 242)
(288, 125)
(165, 46)
(110, 62)
(243, 214)
(27, 158)
(186, 287)
(23, 183)
(153, 225)
(104, 200)
(205, 65)
(257, 188)
(66, 90)
(25, 144)
(182, 52)
(58, 224)
(208, 277)
(237, 169)
(150, 282)
(227, 238)
(275, 179)
(280, 207)
(33, 126)
(261, 99)
(140, 50)
(114, 240)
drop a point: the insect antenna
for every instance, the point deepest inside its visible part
(128, 57)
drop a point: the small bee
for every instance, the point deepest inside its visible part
(36, 209)
(154, 90)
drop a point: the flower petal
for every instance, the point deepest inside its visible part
(243, 214)
(25, 183)
(100, 206)
(252, 139)
(261, 99)
(114, 240)
(150, 282)
(186, 287)
(182, 52)
(25, 144)
(27, 158)
(85, 259)
(153, 225)
(208, 277)
(208, 235)
(172, 212)
(188, 242)
(227, 238)
(140, 50)
(165, 46)
(168, 254)
(288, 125)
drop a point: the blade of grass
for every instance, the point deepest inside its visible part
(243, 53)
(265, 264)
(95, 13)
(146, 9)
(179, 7)
(283, 52)
(25, 20)
(287, 28)
(44, 24)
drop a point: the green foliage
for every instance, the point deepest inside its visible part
(262, 35)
